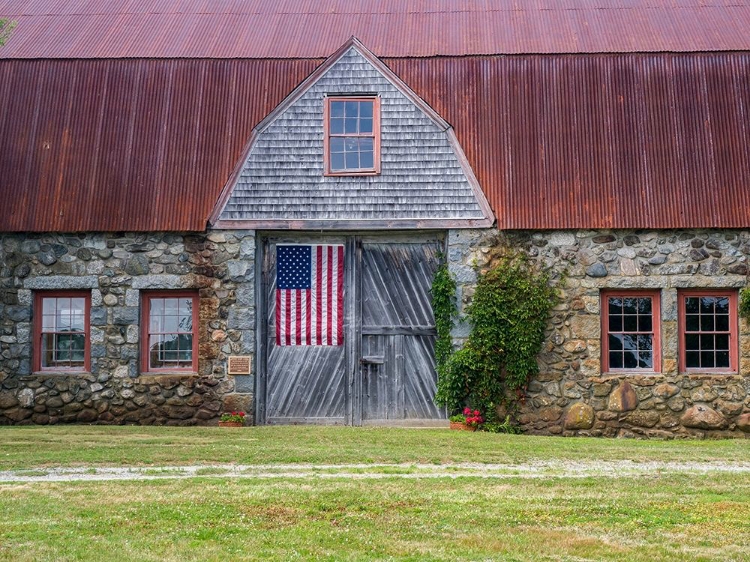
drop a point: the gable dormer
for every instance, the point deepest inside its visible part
(353, 147)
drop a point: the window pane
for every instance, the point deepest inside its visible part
(171, 307)
(629, 306)
(707, 323)
(645, 360)
(337, 145)
(77, 321)
(722, 323)
(615, 360)
(707, 305)
(352, 160)
(721, 341)
(722, 359)
(629, 342)
(615, 341)
(645, 343)
(367, 160)
(692, 342)
(77, 349)
(186, 315)
(352, 109)
(691, 305)
(631, 323)
(692, 323)
(644, 323)
(350, 126)
(366, 144)
(707, 360)
(337, 162)
(722, 305)
(154, 347)
(49, 305)
(707, 342)
(365, 109)
(48, 350)
(156, 323)
(644, 305)
(692, 359)
(630, 360)
(157, 306)
(365, 126)
(615, 323)
(352, 144)
(337, 126)
(337, 109)
(615, 305)
(171, 323)
(49, 323)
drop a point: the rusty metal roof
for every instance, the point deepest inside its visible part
(390, 28)
(556, 141)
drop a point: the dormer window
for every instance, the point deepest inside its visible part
(352, 136)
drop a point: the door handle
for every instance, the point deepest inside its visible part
(372, 360)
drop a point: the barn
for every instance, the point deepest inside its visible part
(240, 205)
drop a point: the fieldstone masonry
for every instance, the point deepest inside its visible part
(116, 267)
(571, 396)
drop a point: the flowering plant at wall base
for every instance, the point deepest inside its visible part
(469, 417)
(232, 419)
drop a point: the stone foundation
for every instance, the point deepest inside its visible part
(570, 395)
(115, 267)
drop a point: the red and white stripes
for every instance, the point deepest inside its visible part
(314, 316)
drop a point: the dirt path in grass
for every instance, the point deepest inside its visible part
(540, 469)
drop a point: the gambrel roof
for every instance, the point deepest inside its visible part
(300, 29)
(132, 115)
(424, 179)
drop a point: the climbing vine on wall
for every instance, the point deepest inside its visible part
(745, 303)
(444, 310)
(509, 315)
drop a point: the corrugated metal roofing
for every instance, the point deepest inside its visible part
(390, 28)
(556, 141)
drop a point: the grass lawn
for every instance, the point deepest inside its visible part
(664, 515)
(32, 447)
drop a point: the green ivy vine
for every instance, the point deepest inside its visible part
(745, 303)
(445, 310)
(508, 313)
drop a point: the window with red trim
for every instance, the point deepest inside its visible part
(352, 135)
(630, 331)
(708, 330)
(170, 331)
(62, 338)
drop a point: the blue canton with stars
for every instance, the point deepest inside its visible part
(293, 264)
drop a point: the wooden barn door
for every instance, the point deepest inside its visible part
(384, 372)
(398, 333)
(304, 384)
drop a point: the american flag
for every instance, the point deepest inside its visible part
(310, 295)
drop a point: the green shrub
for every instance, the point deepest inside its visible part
(509, 315)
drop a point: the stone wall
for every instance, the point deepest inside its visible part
(571, 396)
(115, 268)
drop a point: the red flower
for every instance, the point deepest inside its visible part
(242, 414)
(467, 411)
(476, 412)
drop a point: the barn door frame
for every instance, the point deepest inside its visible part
(352, 305)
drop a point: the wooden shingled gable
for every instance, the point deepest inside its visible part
(425, 180)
